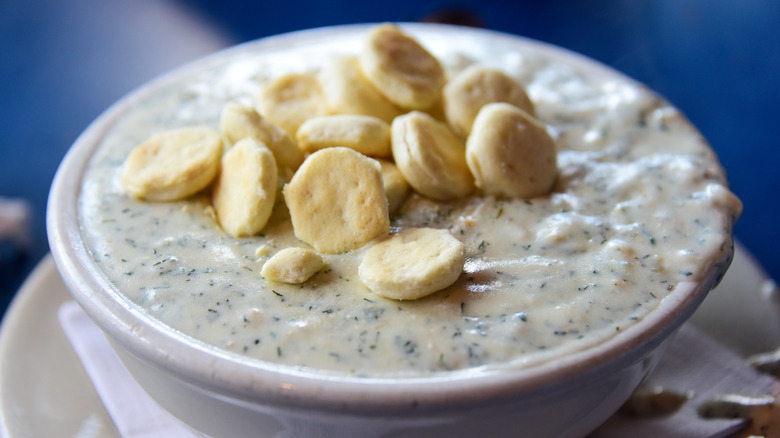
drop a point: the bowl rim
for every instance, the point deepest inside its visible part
(253, 381)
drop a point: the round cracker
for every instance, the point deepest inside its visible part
(292, 265)
(430, 156)
(510, 153)
(173, 165)
(366, 134)
(413, 264)
(401, 69)
(245, 191)
(291, 99)
(349, 92)
(337, 201)
(476, 86)
(240, 121)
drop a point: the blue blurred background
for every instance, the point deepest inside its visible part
(63, 62)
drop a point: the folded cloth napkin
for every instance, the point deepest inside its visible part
(698, 366)
(694, 364)
(135, 413)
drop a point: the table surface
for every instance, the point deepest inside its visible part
(63, 63)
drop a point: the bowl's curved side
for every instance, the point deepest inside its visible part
(153, 349)
(567, 412)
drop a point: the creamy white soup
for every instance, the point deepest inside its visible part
(640, 205)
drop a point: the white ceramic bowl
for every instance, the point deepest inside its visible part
(225, 395)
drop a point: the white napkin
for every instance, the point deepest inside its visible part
(693, 363)
(697, 365)
(135, 413)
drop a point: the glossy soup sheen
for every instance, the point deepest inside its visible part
(639, 206)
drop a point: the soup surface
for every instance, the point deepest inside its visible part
(640, 205)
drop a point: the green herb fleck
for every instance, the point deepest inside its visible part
(442, 363)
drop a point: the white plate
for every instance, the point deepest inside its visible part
(45, 392)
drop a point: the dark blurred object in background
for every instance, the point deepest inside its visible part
(63, 62)
(14, 236)
(456, 16)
